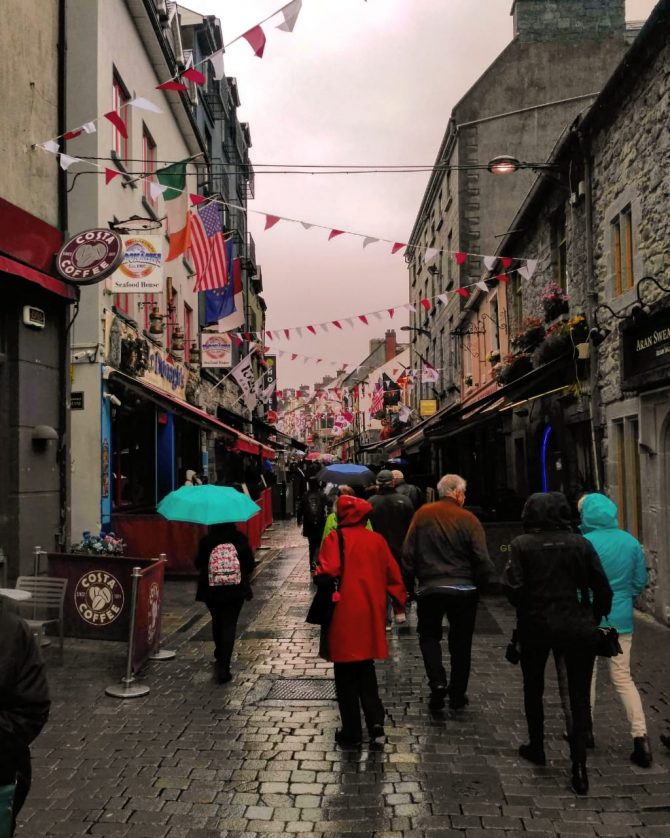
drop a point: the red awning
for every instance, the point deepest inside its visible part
(243, 443)
(56, 286)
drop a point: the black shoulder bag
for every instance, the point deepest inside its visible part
(327, 594)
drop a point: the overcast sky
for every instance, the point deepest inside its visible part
(355, 83)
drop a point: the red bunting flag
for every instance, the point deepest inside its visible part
(334, 233)
(460, 258)
(363, 319)
(287, 332)
(71, 135)
(311, 329)
(118, 123)
(398, 246)
(171, 85)
(506, 262)
(391, 313)
(238, 340)
(337, 323)
(427, 304)
(271, 220)
(503, 278)
(256, 40)
(110, 174)
(293, 356)
(194, 75)
(196, 199)
(268, 333)
(463, 292)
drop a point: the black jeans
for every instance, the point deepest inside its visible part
(224, 625)
(578, 662)
(314, 540)
(356, 687)
(460, 610)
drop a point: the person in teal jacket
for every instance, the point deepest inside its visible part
(622, 559)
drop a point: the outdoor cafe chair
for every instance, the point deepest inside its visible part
(45, 606)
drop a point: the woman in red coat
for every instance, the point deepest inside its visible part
(357, 633)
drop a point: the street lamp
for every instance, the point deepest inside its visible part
(505, 164)
(418, 329)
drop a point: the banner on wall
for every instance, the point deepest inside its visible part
(141, 269)
(216, 349)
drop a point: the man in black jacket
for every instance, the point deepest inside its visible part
(311, 516)
(24, 701)
(408, 489)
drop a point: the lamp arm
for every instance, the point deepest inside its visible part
(653, 280)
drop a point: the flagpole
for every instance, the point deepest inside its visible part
(260, 23)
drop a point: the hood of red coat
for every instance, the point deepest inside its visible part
(352, 511)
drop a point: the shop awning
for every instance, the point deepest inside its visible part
(236, 440)
(50, 283)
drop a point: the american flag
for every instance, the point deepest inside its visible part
(208, 249)
(377, 398)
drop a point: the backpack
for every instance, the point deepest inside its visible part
(224, 566)
(313, 509)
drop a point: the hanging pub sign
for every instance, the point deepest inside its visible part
(216, 350)
(270, 378)
(141, 269)
(90, 256)
(645, 349)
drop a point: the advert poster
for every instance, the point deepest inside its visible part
(141, 270)
(216, 350)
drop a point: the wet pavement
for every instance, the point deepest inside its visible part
(256, 757)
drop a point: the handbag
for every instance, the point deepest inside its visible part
(608, 645)
(327, 594)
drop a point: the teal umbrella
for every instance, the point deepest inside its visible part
(207, 505)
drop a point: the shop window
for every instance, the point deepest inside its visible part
(120, 99)
(134, 457)
(559, 249)
(629, 491)
(149, 155)
(122, 303)
(622, 250)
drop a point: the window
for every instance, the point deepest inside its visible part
(122, 302)
(450, 257)
(120, 99)
(629, 492)
(149, 157)
(622, 251)
(188, 331)
(448, 184)
(495, 324)
(517, 301)
(559, 249)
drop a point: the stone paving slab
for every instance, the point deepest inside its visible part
(194, 759)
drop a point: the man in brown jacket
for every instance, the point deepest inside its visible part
(445, 551)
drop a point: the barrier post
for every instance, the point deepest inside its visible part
(162, 654)
(129, 689)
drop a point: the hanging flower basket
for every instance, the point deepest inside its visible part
(555, 346)
(513, 367)
(530, 335)
(555, 303)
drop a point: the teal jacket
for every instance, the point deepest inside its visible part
(620, 555)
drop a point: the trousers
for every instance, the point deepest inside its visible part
(356, 688)
(461, 611)
(622, 681)
(224, 626)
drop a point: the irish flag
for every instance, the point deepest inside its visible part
(173, 182)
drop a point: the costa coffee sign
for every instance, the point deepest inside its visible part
(90, 256)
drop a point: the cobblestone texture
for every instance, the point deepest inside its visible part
(194, 759)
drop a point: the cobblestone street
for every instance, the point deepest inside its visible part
(255, 757)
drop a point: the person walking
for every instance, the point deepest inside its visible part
(367, 573)
(224, 562)
(391, 516)
(555, 581)
(331, 520)
(24, 704)
(445, 551)
(311, 516)
(408, 489)
(622, 560)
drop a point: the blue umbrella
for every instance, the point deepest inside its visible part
(207, 504)
(346, 473)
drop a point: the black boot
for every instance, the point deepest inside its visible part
(580, 779)
(665, 739)
(641, 752)
(533, 753)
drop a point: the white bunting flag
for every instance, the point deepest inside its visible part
(156, 190)
(324, 326)
(290, 11)
(144, 105)
(528, 269)
(430, 254)
(298, 331)
(350, 321)
(216, 59)
(489, 262)
(410, 307)
(50, 145)
(442, 298)
(66, 161)
(377, 314)
(482, 285)
(369, 240)
(306, 225)
(89, 127)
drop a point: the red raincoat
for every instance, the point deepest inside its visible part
(357, 630)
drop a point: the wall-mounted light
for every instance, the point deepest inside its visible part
(598, 333)
(42, 435)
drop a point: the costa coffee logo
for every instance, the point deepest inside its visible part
(98, 597)
(90, 256)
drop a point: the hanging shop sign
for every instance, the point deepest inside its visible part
(427, 407)
(271, 378)
(141, 269)
(216, 350)
(90, 256)
(645, 349)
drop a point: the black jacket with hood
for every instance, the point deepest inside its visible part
(552, 574)
(222, 534)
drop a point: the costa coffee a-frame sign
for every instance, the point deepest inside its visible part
(90, 256)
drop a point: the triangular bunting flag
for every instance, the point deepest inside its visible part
(196, 199)
(482, 285)
(50, 145)
(369, 240)
(442, 298)
(271, 220)
(110, 174)
(144, 105)
(463, 292)
(324, 326)
(430, 253)
(427, 304)
(398, 246)
(171, 85)
(460, 257)
(334, 233)
(391, 312)
(71, 135)
(528, 269)
(118, 123)
(290, 11)
(506, 262)
(349, 321)
(298, 331)
(311, 329)
(194, 75)
(489, 262)
(364, 319)
(294, 355)
(156, 190)
(255, 37)
(216, 60)
(287, 332)
(89, 127)
(306, 225)
(503, 278)
(269, 334)
(337, 323)
(66, 161)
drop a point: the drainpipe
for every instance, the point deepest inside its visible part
(595, 406)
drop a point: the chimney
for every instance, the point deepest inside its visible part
(568, 20)
(389, 345)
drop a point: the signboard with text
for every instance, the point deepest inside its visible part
(141, 269)
(427, 407)
(645, 350)
(216, 349)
